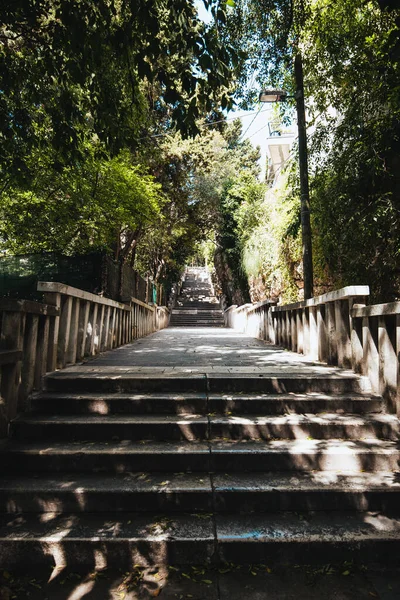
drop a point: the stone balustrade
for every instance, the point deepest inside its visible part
(36, 338)
(253, 319)
(375, 347)
(337, 328)
(320, 327)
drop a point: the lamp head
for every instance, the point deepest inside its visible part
(273, 96)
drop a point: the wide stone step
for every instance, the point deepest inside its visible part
(304, 539)
(109, 539)
(185, 492)
(104, 404)
(216, 456)
(214, 383)
(305, 455)
(104, 457)
(302, 427)
(88, 493)
(200, 427)
(281, 383)
(316, 491)
(197, 403)
(110, 427)
(75, 381)
(105, 540)
(294, 403)
(196, 325)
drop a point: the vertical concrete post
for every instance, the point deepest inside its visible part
(63, 335)
(370, 352)
(294, 330)
(306, 331)
(313, 333)
(94, 334)
(357, 344)
(343, 331)
(54, 299)
(42, 350)
(323, 342)
(28, 360)
(299, 329)
(73, 332)
(331, 331)
(82, 330)
(101, 312)
(388, 363)
(11, 338)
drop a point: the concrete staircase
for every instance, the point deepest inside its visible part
(196, 305)
(119, 469)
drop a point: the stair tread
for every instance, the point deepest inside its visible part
(122, 396)
(317, 527)
(132, 482)
(112, 419)
(107, 526)
(281, 527)
(164, 482)
(285, 419)
(295, 396)
(215, 446)
(112, 447)
(301, 446)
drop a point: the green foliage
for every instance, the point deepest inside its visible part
(94, 204)
(71, 70)
(351, 57)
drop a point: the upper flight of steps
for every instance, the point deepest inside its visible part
(136, 469)
(196, 306)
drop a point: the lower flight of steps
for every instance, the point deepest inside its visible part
(196, 306)
(122, 470)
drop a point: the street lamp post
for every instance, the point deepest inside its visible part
(281, 96)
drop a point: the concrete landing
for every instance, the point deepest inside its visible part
(203, 350)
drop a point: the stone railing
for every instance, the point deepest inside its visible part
(71, 324)
(320, 327)
(376, 347)
(337, 328)
(253, 319)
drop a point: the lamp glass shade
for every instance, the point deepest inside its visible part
(272, 96)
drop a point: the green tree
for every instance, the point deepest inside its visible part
(71, 70)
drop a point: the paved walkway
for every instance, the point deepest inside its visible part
(202, 350)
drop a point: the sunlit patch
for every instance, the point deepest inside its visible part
(100, 560)
(382, 523)
(82, 590)
(57, 570)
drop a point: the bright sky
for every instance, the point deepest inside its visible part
(255, 126)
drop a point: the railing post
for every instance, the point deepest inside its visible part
(299, 330)
(343, 329)
(42, 349)
(63, 336)
(28, 359)
(388, 361)
(370, 352)
(11, 338)
(306, 331)
(53, 299)
(331, 331)
(82, 330)
(72, 343)
(313, 333)
(323, 341)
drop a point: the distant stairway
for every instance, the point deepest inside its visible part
(196, 305)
